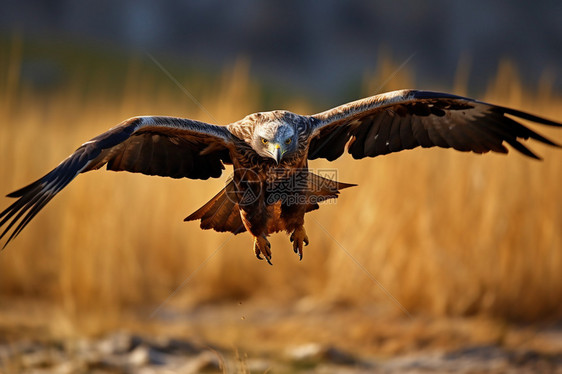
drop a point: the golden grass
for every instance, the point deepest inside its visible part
(445, 233)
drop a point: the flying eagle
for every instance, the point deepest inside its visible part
(271, 187)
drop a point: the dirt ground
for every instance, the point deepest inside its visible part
(257, 337)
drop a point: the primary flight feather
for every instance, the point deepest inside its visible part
(271, 187)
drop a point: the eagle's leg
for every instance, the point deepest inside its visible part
(298, 237)
(293, 217)
(262, 247)
(255, 217)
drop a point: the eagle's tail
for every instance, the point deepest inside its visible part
(321, 189)
(221, 213)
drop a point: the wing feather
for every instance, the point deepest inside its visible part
(406, 119)
(407, 137)
(368, 140)
(394, 142)
(420, 134)
(163, 146)
(433, 130)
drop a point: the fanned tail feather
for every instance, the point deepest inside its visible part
(321, 189)
(221, 213)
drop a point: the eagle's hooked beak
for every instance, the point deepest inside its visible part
(276, 152)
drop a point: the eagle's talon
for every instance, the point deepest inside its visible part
(299, 240)
(262, 247)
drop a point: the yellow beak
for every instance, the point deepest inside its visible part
(276, 152)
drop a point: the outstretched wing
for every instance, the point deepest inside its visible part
(164, 146)
(406, 119)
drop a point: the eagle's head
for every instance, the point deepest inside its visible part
(274, 137)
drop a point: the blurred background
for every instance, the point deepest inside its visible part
(434, 250)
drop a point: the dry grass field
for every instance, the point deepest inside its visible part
(445, 233)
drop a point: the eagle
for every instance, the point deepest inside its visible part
(271, 187)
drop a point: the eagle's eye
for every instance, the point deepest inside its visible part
(264, 140)
(288, 141)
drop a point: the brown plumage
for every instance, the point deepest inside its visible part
(271, 187)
